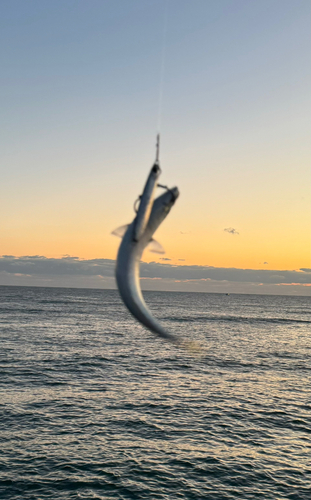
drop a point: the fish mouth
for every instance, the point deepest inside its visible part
(175, 193)
(156, 169)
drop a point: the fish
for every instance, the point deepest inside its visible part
(135, 238)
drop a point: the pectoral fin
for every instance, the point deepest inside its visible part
(155, 246)
(120, 231)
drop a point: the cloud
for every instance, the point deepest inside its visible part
(231, 230)
(182, 260)
(164, 258)
(294, 284)
(69, 266)
(265, 263)
(37, 265)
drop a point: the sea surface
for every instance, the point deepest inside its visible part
(93, 406)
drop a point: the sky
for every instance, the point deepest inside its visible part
(85, 87)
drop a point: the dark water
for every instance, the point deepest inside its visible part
(94, 407)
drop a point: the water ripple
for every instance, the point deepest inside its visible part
(93, 406)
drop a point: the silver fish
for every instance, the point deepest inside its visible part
(127, 269)
(135, 238)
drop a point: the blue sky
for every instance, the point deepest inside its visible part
(80, 103)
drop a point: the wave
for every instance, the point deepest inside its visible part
(237, 319)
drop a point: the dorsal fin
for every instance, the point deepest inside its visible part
(155, 247)
(120, 231)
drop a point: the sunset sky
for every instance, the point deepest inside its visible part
(79, 116)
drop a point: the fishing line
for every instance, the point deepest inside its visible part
(162, 66)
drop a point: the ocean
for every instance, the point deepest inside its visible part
(93, 406)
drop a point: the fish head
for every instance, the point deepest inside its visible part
(161, 208)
